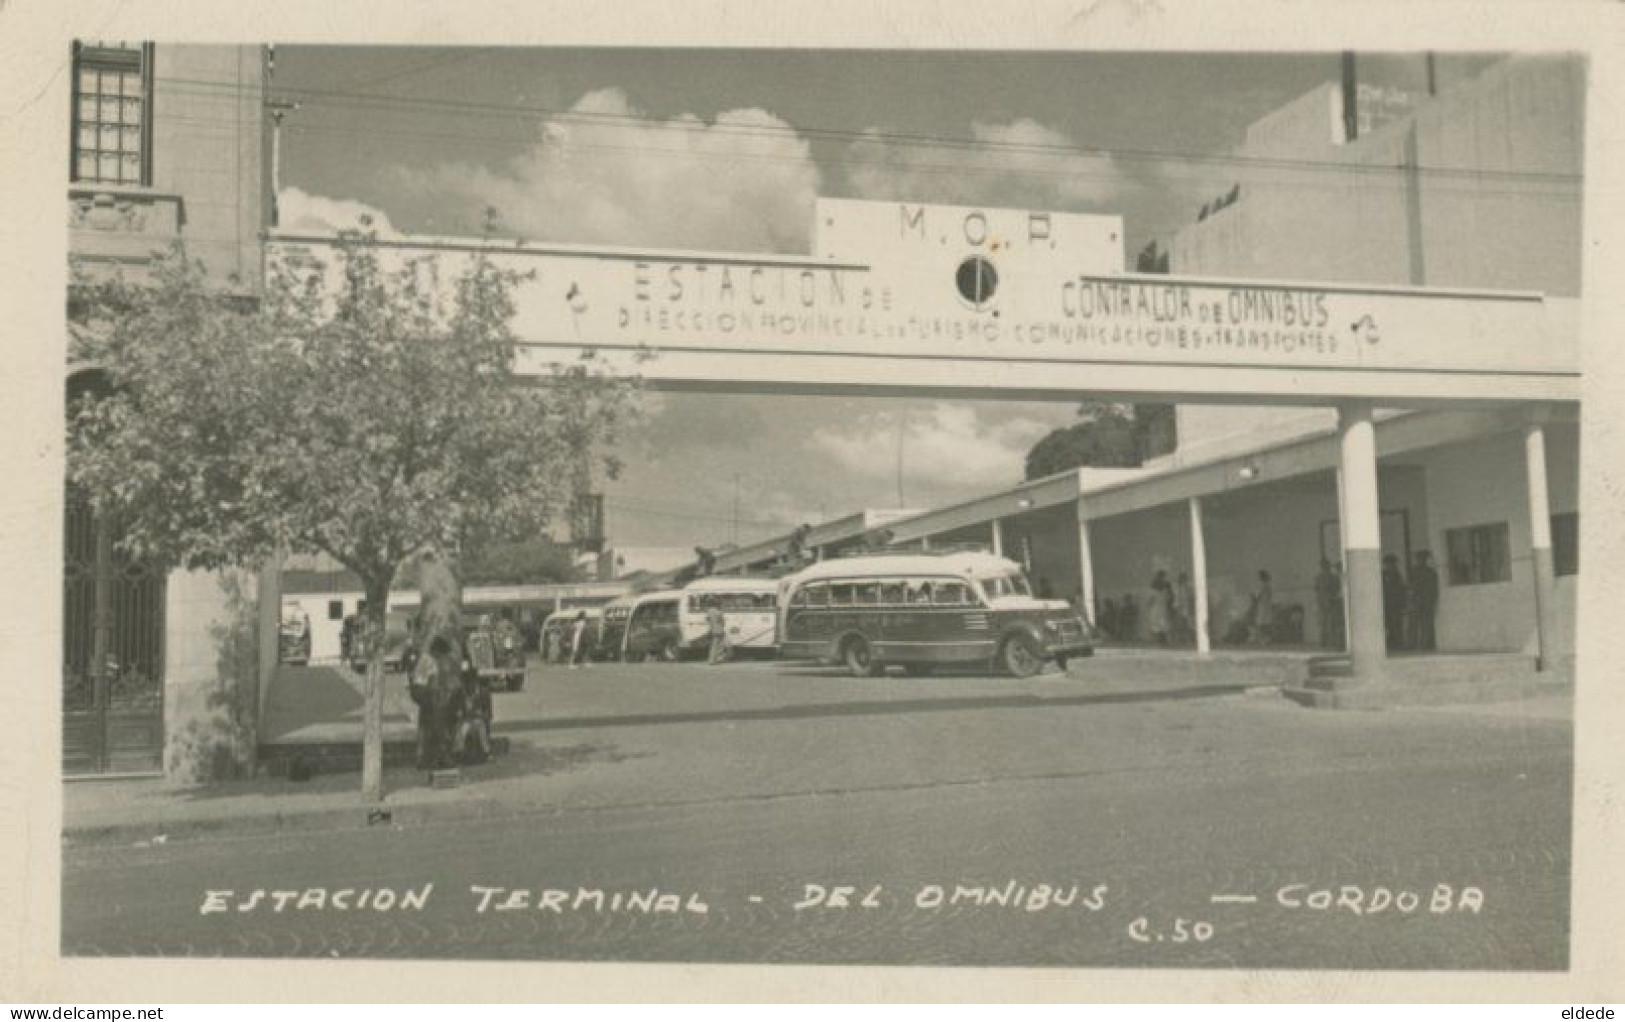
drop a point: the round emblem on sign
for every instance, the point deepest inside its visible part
(977, 280)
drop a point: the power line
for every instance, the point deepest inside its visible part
(315, 97)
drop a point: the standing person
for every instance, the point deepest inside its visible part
(717, 622)
(1339, 622)
(578, 641)
(1263, 610)
(1424, 602)
(1393, 603)
(1328, 592)
(1185, 608)
(432, 685)
(1159, 609)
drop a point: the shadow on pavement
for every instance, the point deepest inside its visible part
(872, 707)
(302, 696)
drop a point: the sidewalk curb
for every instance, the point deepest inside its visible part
(347, 817)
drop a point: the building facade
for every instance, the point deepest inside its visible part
(169, 145)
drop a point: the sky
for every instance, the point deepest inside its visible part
(726, 150)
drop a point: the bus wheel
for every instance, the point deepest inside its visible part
(1020, 658)
(859, 660)
(918, 670)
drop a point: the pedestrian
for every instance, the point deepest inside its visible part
(432, 686)
(469, 717)
(1394, 599)
(1424, 601)
(1128, 618)
(1185, 609)
(1328, 592)
(1159, 609)
(346, 637)
(717, 622)
(578, 641)
(1339, 621)
(1263, 611)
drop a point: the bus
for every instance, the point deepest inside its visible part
(612, 628)
(556, 631)
(653, 628)
(925, 610)
(749, 609)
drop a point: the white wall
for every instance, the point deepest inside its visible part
(1482, 483)
(211, 673)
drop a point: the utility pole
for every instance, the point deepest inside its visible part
(902, 427)
(278, 109)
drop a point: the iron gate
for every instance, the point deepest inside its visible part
(112, 649)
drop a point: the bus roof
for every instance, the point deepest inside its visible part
(732, 584)
(671, 595)
(568, 614)
(961, 563)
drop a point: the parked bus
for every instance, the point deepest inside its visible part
(925, 610)
(556, 630)
(653, 628)
(612, 627)
(749, 609)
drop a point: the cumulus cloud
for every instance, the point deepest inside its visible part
(1020, 163)
(948, 445)
(300, 211)
(604, 174)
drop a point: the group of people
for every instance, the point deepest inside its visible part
(1410, 605)
(454, 707)
(1169, 609)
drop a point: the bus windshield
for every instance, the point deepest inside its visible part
(1014, 584)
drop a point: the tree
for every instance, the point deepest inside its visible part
(1106, 436)
(358, 410)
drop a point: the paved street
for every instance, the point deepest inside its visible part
(686, 813)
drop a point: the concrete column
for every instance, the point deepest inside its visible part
(998, 537)
(1362, 541)
(1086, 568)
(1342, 544)
(1540, 543)
(1199, 576)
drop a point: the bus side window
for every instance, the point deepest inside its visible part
(800, 598)
(892, 592)
(841, 595)
(868, 593)
(817, 595)
(952, 594)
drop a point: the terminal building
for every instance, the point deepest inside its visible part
(1476, 188)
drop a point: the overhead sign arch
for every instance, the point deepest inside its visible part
(902, 298)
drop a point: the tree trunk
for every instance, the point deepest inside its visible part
(372, 710)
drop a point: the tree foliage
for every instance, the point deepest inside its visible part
(1105, 436)
(369, 421)
(362, 409)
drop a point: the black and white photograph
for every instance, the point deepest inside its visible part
(911, 501)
